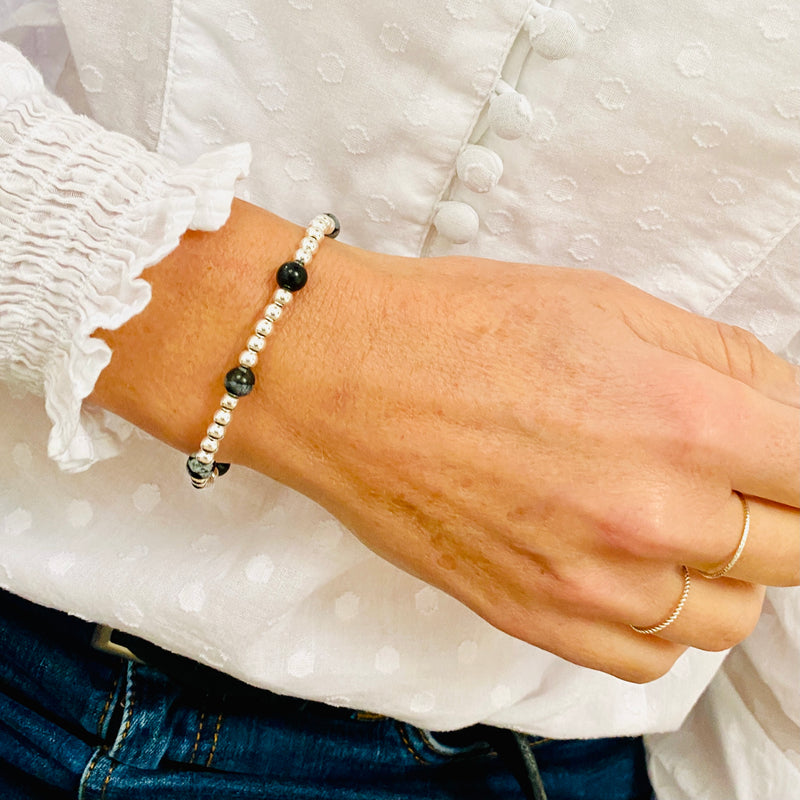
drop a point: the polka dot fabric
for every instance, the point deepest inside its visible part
(657, 141)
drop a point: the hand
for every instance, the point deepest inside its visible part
(549, 446)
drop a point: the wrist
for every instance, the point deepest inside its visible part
(168, 365)
(310, 371)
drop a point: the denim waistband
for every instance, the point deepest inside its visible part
(86, 724)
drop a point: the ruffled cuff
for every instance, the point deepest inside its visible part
(83, 212)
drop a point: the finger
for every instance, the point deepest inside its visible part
(771, 552)
(598, 644)
(715, 615)
(727, 349)
(752, 438)
(738, 353)
(765, 459)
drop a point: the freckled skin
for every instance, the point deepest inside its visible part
(549, 446)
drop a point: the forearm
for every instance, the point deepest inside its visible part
(168, 364)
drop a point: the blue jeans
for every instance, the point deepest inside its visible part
(78, 723)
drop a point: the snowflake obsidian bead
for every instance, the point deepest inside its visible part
(198, 470)
(240, 381)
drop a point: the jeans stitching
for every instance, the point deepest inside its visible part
(104, 712)
(401, 728)
(89, 770)
(197, 738)
(215, 741)
(427, 742)
(130, 702)
(107, 780)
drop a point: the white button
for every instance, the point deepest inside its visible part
(554, 34)
(456, 221)
(510, 114)
(479, 167)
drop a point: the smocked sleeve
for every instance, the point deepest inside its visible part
(83, 211)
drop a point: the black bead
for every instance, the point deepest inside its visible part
(336, 227)
(197, 469)
(240, 381)
(292, 276)
(222, 467)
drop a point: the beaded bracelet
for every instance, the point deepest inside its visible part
(291, 277)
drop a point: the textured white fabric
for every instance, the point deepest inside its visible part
(742, 740)
(80, 202)
(664, 147)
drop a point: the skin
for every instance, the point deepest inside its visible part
(549, 446)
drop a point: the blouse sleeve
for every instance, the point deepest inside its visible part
(83, 211)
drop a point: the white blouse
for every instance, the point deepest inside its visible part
(657, 141)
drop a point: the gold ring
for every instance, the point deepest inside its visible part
(739, 548)
(687, 582)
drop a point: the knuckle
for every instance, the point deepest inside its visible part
(699, 420)
(582, 590)
(637, 528)
(692, 416)
(735, 628)
(724, 638)
(741, 351)
(658, 665)
(695, 420)
(641, 675)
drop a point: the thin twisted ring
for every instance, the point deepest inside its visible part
(687, 583)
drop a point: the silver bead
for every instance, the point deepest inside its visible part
(282, 297)
(255, 343)
(264, 327)
(303, 255)
(228, 402)
(312, 245)
(209, 445)
(316, 232)
(272, 311)
(247, 358)
(215, 431)
(330, 225)
(222, 417)
(203, 457)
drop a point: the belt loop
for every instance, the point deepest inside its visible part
(516, 750)
(102, 641)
